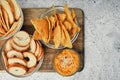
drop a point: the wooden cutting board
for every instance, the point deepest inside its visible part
(78, 45)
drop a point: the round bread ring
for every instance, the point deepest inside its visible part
(8, 46)
(41, 53)
(31, 69)
(14, 53)
(16, 60)
(32, 45)
(21, 38)
(17, 69)
(32, 59)
(19, 48)
(37, 49)
(5, 59)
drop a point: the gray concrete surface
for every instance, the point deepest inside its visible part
(102, 39)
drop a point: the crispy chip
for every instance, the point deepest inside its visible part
(42, 26)
(73, 15)
(61, 16)
(75, 27)
(67, 25)
(67, 41)
(52, 21)
(57, 35)
(37, 36)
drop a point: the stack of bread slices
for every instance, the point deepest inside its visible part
(21, 54)
(10, 17)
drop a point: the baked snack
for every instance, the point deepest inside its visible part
(16, 60)
(8, 46)
(17, 69)
(17, 47)
(6, 6)
(14, 53)
(21, 38)
(30, 58)
(16, 9)
(21, 60)
(32, 46)
(5, 59)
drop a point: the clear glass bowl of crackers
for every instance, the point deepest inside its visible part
(11, 18)
(21, 55)
(57, 28)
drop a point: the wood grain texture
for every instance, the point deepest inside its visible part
(78, 45)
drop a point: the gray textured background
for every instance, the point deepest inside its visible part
(102, 39)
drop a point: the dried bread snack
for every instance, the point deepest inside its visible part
(10, 18)
(17, 69)
(22, 56)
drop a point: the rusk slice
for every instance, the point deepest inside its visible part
(8, 46)
(6, 6)
(19, 48)
(32, 45)
(17, 69)
(37, 49)
(5, 59)
(21, 38)
(16, 60)
(32, 61)
(14, 53)
(6, 18)
(16, 9)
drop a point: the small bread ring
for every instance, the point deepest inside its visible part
(17, 69)
(16, 60)
(19, 48)
(14, 53)
(32, 61)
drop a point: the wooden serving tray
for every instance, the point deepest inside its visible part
(78, 45)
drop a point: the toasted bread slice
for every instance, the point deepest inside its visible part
(41, 53)
(19, 48)
(6, 17)
(2, 22)
(32, 59)
(21, 38)
(17, 69)
(37, 49)
(6, 6)
(31, 69)
(16, 60)
(5, 59)
(15, 26)
(8, 46)
(32, 45)
(14, 53)
(17, 11)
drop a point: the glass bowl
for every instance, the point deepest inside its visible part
(67, 59)
(37, 67)
(18, 29)
(50, 12)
